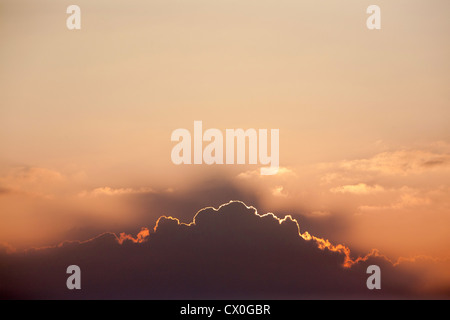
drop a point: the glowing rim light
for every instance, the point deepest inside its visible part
(322, 244)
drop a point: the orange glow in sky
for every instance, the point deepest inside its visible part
(86, 119)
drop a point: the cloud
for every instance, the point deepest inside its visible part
(408, 198)
(32, 181)
(282, 171)
(279, 191)
(388, 171)
(402, 162)
(360, 188)
(141, 236)
(231, 252)
(108, 191)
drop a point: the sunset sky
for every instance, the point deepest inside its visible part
(86, 118)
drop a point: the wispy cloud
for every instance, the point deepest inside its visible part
(360, 188)
(401, 162)
(108, 191)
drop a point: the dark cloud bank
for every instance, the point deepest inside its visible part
(230, 253)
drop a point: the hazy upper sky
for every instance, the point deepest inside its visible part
(86, 116)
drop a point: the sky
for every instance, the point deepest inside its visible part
(86, 118)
